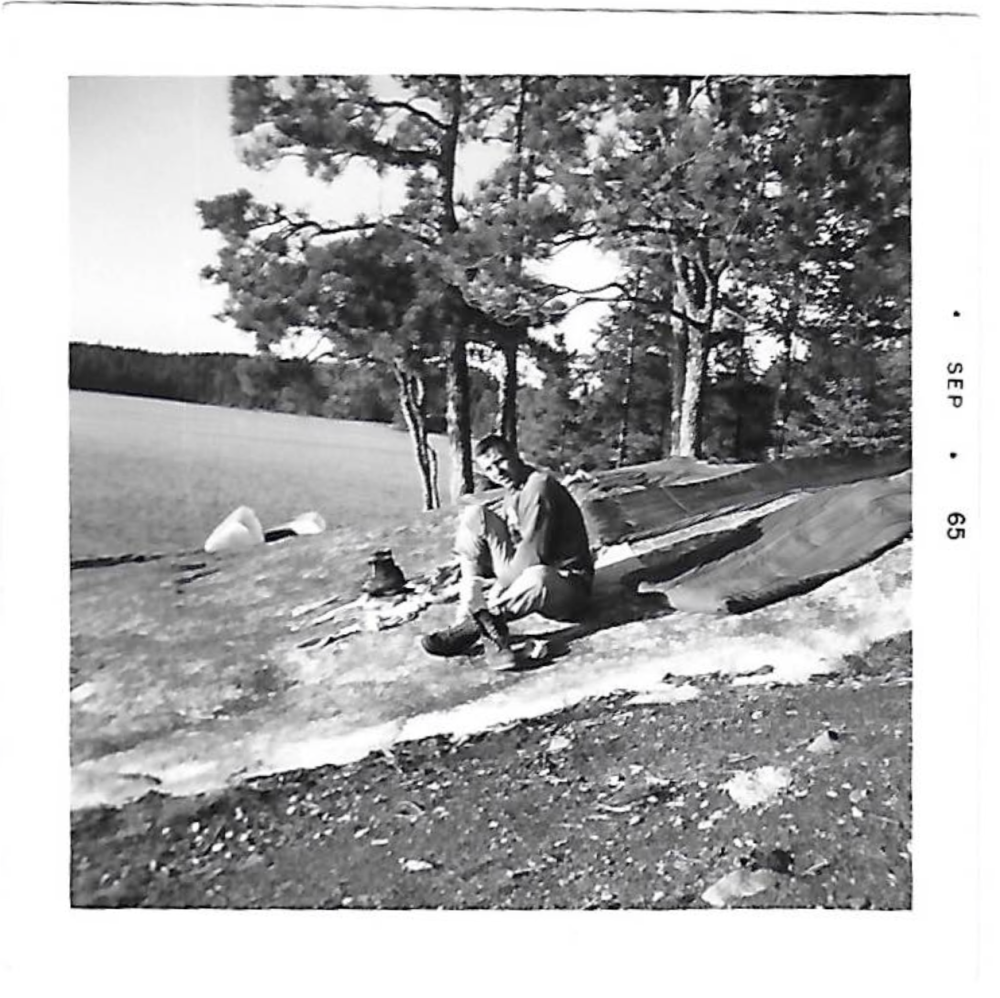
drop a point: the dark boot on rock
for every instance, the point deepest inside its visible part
(465, 635)
(493, 628)
(457, 640)
(497, 636)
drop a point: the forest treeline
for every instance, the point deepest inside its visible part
(337, 390)
(334, 389)
(760, 229)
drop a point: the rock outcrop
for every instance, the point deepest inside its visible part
(195, 670)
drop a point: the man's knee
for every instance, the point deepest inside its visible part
(535, 590)
(470, 532)
(545, 590)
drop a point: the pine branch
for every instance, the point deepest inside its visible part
(703, 85)
(591, 297)
(294, 226)
(311, 354)
(320, 229)
(406, 106)
(726, 303)
(562, 289)
(560, 243)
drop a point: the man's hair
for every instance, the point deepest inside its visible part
(494, 442)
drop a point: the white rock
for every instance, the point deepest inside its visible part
(82, 692)
(237, 532)
(822, 744)
(305, 524)
(667, 693)
(759, 786)
(416, 865)
(738, 884)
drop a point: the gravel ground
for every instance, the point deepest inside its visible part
(604, 805)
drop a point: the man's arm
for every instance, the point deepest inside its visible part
(535, 527)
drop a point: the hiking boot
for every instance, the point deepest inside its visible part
(494, 629)
(386, 577)
(457, 640)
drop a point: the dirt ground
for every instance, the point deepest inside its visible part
(607, 804)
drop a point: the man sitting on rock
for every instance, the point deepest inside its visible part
(536, 549)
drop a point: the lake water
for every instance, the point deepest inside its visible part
(151, 475)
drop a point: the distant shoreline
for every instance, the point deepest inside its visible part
(399, 428)
(340, 389)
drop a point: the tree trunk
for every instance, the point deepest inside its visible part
(697, 292)
(741, 394)
(411, 400)
(678, 344)
(627, 400)
(457, 373)
(684, 84)
(508, 389)
(510, 339)
(688, 443)
(449, 148)
(783, 400)
(710, 343)
(459, 419)
(665, 417)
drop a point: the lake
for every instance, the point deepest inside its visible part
(149, 475)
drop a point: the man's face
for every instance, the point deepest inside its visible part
(499, 467)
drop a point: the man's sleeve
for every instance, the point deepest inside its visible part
(534, 524)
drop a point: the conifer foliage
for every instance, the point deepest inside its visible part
(760, 227)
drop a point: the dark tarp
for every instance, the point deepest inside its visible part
(796, 548)
(652, 499)
(848, 510)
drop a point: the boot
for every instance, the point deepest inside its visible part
(494, 629)
(465, 635)
(386, 578)
(457, 640)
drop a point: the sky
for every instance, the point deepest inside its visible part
(142, 151)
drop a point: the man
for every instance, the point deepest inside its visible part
(536, 549)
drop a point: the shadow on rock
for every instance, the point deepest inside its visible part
(622, 607)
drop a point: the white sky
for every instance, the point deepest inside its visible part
(142, 151)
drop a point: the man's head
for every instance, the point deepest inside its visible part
(498, 461)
